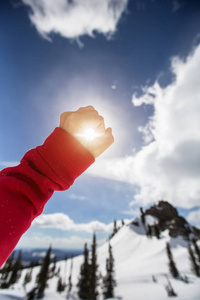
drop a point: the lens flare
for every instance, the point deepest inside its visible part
(89, 134)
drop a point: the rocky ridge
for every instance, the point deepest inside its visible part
(166, 217)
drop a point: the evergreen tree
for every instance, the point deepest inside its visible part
(88, 281)
(194, 265)
(172, 267)
(60, 285)
(31, 295)
(93, 272)
(157, 231)
(149, 231)
(108, 281)
(53, 268)
(65, 269)
(28, 277)
(16, 270)
(115, 227)
(7, 268)
(142, 216)
(154, 279)
(123, 223)
(197, 250)
(70, 279)
(84, 279)
(170, 290)
(43, 275)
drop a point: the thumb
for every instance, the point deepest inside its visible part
(109, 136)
(105, 141)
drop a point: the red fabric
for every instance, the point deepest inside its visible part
(26, 188)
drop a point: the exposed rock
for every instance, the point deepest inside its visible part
(164, 211)
(162, 216)
(168, 218)
(179, 226)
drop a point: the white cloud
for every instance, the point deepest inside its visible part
(168, 166)
(77, 197)
(194, 217)
(74, 18)
(63, 222)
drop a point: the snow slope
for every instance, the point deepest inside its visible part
(137, 259)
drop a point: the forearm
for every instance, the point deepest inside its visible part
(26, 188)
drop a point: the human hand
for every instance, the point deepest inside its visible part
(88, 127)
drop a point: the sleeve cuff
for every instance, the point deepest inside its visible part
(67, 157)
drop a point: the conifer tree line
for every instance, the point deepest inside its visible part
(194, 255)
(91, 283)
(115, 228)
(172, 266)
(46, 272)
(109, 281)
(11, 271)
(85, 274)
(88, 283)
(89, 278)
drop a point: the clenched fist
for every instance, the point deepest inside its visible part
(88, 127)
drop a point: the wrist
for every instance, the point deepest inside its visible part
(65, 155)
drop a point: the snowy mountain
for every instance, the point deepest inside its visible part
(141, 266)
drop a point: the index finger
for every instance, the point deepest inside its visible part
(86, 109)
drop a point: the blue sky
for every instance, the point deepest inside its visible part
(137, 63)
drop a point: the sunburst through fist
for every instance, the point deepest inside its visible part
(88, 127)
(89, 134)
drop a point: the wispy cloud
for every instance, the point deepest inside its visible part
(72, 19)
(168, 166)
(77, 197)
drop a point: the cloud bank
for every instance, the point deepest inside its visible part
(63, 222)
(168, 165)
(74, 18)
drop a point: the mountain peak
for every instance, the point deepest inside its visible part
(164, 211)
(164, 216)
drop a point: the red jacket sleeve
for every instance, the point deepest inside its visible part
(26, 188)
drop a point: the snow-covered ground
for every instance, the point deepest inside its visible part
(138, 260)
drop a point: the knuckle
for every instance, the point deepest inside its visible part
(101, 119)
(90, 107)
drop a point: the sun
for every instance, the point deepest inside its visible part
(89, 134)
